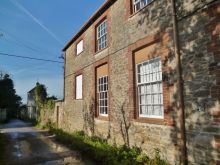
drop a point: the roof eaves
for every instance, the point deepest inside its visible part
(88, 23)
(31, 90)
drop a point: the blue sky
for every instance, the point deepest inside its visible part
(39, 29)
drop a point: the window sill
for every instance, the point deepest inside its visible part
(134, 13)
(79, 53)
(150, 120)
(104, 118)
(78, 99)
(97, 52)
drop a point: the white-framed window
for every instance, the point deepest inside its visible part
(79, 87)
(101, 32)
(139, 4)
(79, 47)
(103, 95)
(150, 88)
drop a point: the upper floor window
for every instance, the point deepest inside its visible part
(79, 87)
(101, 32)
(79, 47)
(149, 88)
(139, 4)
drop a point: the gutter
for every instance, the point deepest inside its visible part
(184, 159)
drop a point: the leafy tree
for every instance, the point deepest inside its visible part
(40, 94)
(43, 102)
(8, 97)
(52, 98)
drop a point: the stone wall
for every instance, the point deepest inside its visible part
(57, 116)
(199, 37)
(54, 116)
(200, 49)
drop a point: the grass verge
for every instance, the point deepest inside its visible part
(103, 153)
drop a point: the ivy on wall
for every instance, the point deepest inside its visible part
(45, 104)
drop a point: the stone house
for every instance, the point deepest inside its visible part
(32, 112)
(121, 77)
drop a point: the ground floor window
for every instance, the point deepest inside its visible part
(103, 95)
(149, 88)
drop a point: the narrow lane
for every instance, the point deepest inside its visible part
(29, 146)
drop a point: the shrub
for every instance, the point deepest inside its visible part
(157, 160)
(103, 153)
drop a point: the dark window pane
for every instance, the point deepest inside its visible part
(106, 110)
(138, 6)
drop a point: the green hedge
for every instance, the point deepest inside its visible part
(103, 153)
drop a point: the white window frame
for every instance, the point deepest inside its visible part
(151, 79)
(79, 47)
(139, 4)
(102, 95)
(79, 87)
(101, 35)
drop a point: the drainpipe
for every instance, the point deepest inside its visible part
(180, 84)
(64, 74)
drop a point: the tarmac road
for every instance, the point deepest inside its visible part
(30, 146)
